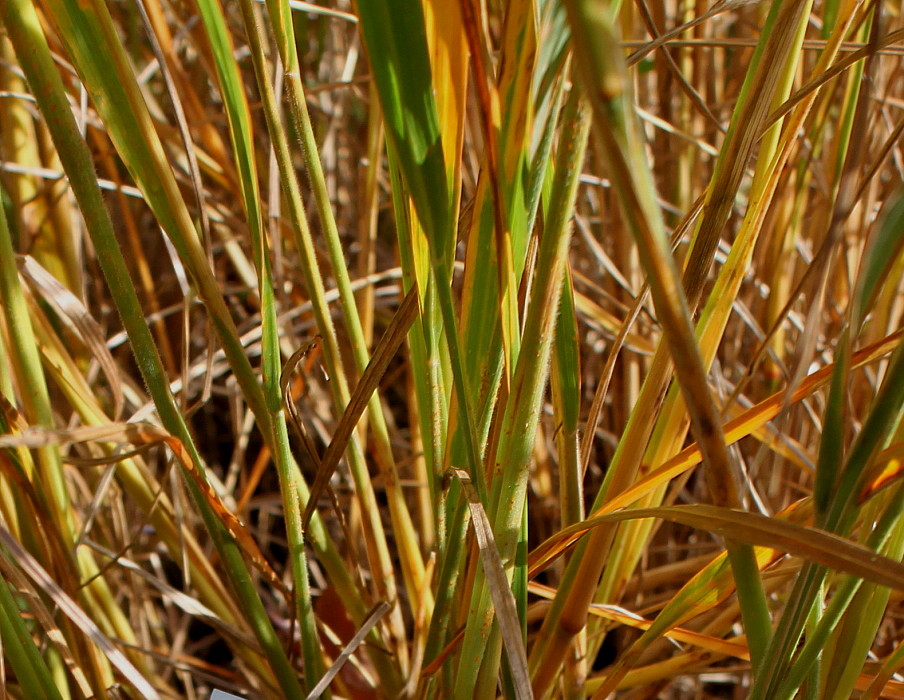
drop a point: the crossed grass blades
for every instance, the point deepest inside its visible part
(451, 349)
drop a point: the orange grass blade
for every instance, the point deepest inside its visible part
(740, 427)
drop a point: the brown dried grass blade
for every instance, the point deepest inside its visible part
(78, 617)
(373, 617)
(376, 368)
(500, 591)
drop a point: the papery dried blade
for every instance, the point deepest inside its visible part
(500, 590)
(373, 617)
(376, 368)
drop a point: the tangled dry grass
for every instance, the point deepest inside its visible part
(451, 349)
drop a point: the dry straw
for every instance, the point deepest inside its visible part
(474, 349)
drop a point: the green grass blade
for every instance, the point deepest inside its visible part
(21, 21)
(242, 142)
(395, 33)
(25, 659)
(886, 411)
(510, 470)
(32, 673)
(603, 73)
(882, 252)
(377, 546)
(299, 121)
(565, 384)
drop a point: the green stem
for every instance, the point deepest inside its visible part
(34, 56)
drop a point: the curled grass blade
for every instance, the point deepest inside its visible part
(819, 546)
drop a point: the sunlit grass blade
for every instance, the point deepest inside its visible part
(412, 126)
(21, 20)
(522, 409)
(410, 113)
(739, 427)
(838, 516)
(625, 617)
(603, 72)
(817, 545)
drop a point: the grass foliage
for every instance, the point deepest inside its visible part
(416, 348)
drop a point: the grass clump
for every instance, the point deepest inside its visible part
(426, 349)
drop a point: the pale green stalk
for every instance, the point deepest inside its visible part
(604, 74)
(31, 47)
(299, 121)
(522, 411)
(289, 475)
(37, 675)
(375, 538)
